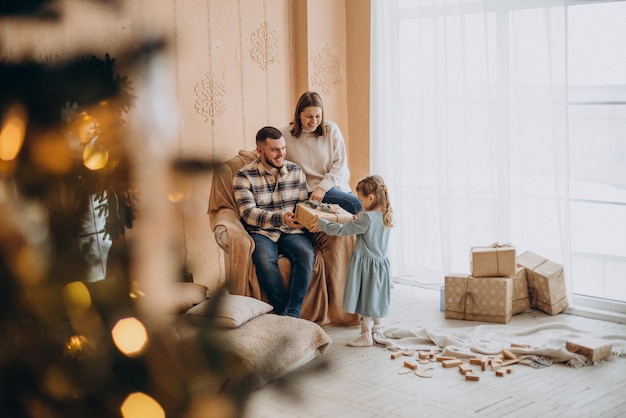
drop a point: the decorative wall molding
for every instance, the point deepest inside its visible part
(326, 70)
(210, 95)
(264, 48)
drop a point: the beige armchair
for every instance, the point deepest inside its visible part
(322, 303)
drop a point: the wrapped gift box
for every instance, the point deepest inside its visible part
(493, 261)
(546, 283)
(593, 349)
(487, 299)
(521, 301)
(331, 212)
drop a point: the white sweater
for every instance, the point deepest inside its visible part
(323, 158)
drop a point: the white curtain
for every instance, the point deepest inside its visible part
(469, 129)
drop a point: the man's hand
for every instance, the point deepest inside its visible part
(289, 218)
(317, 195)
(313, 224)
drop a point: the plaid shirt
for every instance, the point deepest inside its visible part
(262, 200)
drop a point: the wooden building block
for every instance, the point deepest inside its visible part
(500, 373)
(410, 365)
(593, 349)
(475, 360)
(465, 368)
(396, 354)
(451, 363)
(471, 376)
(423, 354)
(511, 361)
(508, 354)
(517, 345)
(444, 358)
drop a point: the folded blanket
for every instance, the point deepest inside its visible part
(544, 341)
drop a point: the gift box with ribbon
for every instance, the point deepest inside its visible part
(331, 212)
(495, 260)
(546, 283)
(486, 299)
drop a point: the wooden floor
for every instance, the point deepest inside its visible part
(364, 382)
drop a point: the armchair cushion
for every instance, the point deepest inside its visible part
(323, 301)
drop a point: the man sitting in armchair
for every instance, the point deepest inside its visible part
(266, 192)
(323, 301)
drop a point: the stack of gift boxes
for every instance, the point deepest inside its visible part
(502, 284)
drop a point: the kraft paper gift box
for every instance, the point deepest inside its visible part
(546, 283)
(521, 301)
(335, 213)
(592, 348)
(486, 299)
(496, 260)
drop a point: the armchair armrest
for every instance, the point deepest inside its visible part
(237, 245)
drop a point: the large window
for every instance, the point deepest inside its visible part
(504, 121)
(597, 137)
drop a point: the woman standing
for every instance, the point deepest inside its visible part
(318, 147)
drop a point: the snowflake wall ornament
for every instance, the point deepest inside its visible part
(264, 48)
(326, 70)
(210, 95)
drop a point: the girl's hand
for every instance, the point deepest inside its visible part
(312, 225)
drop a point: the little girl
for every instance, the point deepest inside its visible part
(368, 281)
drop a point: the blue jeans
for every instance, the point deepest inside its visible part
(346, 200)
(298, 249)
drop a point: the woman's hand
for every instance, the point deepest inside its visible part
(317, 195)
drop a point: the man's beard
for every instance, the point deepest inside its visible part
(271, 164)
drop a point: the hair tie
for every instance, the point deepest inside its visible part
(384, 188)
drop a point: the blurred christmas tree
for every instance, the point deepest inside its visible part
(71, 348)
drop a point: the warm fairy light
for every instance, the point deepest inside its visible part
(87, 128)
(130, 336)
(94, 159)
(12, 133)
(75, 344)
(77, 298)
(140, 405)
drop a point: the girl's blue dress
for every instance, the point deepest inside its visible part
(368, 284)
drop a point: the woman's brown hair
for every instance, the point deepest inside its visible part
(308, 99)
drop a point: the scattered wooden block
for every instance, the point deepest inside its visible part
(451, 363)
(396, 354)
(475, 360)
(593, 349)
(410, 365)
(444, 358)
(502, 372)
(422, 354)
(465, 368)
(472, 377)
(510, 361)
(484, 361)
(508, 354)
(423, 372)
(517, 345)
(496, 365)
